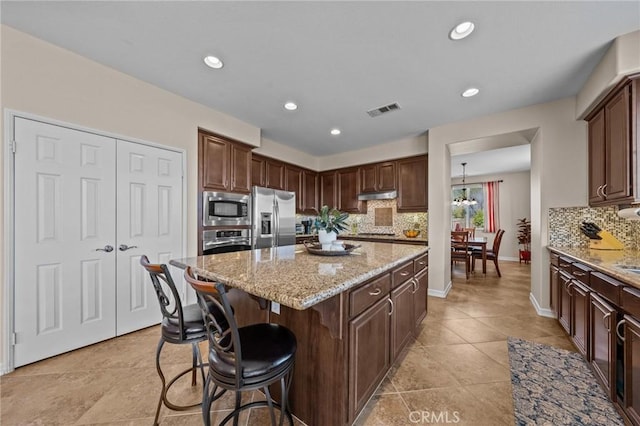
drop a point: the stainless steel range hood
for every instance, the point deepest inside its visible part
(384, 195)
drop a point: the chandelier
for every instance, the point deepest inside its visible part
(463, 200)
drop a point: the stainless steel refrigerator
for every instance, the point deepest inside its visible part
(273, 218)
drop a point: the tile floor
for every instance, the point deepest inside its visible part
(455, 372)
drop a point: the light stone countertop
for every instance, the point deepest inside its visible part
(611, 262)
(292, 277)
(420, 239)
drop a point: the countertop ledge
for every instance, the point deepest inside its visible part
(611, 262)
(289, 275)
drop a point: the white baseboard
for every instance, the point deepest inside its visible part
(440, 293)
(4, 371)
(509, 259)
(543, 312)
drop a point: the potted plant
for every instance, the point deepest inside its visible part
(329, 223)
(524, 239)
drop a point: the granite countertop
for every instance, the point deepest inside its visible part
(611, 262)
(361, 237)
(292, 277)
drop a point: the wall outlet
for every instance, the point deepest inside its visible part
(275, 308)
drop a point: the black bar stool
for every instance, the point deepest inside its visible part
(243, 359)
(180, 325)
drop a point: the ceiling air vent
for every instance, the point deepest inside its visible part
(383, 109)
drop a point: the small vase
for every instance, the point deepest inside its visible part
(326, 238)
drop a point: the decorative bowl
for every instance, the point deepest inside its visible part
(411, 233)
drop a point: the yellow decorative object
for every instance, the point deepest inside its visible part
(608, 242)
(411, 233)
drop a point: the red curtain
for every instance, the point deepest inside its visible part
(492, 197)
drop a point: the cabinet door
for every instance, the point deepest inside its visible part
(564, 301)
(258, 174)
(240, 169)
(309, 192)
(602, 343)
(386, 176)
(368, 178)
(402, 318)
(293, 183)
(275, 174)
(369, 354)
(420, 298)
(215, 163)
(348, 187)
(412, 184)
(328, 190)
(631, 403)
(554, 272)
(597, 158)
(580, 327)
(618, 146)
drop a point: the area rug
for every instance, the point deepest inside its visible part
(553, 386)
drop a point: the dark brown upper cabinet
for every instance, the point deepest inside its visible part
(310, 192)
(329, 189)
(258, 171)
(224, 165)
(275, 174)
(293, 183)
(378, 177)
(612, 142)
(348, 189)
(412, 184)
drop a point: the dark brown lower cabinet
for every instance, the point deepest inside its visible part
(554, 273)
(402, 318)
(580, 327)
(602, 343)
(420, 296)
(631, 400)
(369, 353)
(564, 301)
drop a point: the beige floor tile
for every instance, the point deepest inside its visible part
(384, 410)
(497, 351)
(497, 398)
(473, 331)
(418, 370)
(434, 333)
(468, 364)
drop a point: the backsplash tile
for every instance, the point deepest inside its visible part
(564, 226)
(400, 221)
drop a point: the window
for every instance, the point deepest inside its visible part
(468, 215)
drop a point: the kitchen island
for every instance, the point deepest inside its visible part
(352, 315)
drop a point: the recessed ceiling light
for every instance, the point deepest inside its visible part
(335, 132)
(213, 62)
(461, 30)
(471, 91)
(291, 106)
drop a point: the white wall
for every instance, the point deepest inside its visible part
(558, 178)
(515, 203)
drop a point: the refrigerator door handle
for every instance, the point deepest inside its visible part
(276, 221)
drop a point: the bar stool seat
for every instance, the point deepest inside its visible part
(244, 358)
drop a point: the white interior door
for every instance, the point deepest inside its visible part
(64, 211)
(149, 187)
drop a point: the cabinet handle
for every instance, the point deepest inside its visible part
(579, 274)
(618, 330)
(404, 273)
(415, 286)
(564, 265)
(421, 263)
(391, 303)
(569, 285)
(375, 293)
(598, 193)
(604, 194)
(607, 324)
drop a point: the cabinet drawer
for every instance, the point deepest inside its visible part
(365, 296)
(554, 259)
(565, 263)
(402, 274)
(607, 287)
(581, 272)
(420, 263)
(630, 301)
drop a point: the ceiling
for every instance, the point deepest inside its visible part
(337, 60)
(495, 161)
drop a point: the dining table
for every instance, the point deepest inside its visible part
(480, 242)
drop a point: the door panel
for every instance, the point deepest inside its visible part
(150, 220)
(65, 211)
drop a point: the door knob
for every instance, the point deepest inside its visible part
(107, 248)
(124, 247)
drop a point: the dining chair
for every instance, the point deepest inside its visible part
(460, 250)
(471, 231)
(491, 254)
(180, 325)
(243, 358)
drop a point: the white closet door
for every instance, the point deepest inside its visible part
(64, 211)
(149, 187)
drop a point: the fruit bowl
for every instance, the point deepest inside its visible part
(411, 233)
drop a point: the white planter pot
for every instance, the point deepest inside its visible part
(326, 238)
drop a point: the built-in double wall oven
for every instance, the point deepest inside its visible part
(229, 215)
